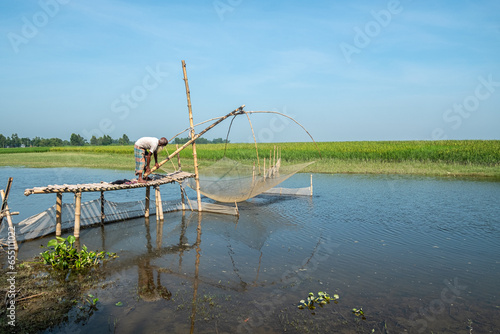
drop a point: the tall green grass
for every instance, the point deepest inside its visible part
(112, 149)
(467, 152)
(24, 150)
(451, 151)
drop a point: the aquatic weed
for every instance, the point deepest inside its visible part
(63, 255)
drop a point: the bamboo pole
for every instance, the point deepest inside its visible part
(78, 212)
(146, 204)
(58, 214)
(156, 204)
(311, 184)
(159, 206)
(191, 132)
(103, 216)
(237, 111)
(7, 214)
(5, 197)
(265, 175)
(178, 158)
(270, 164)
(182, 198)
(274, 156)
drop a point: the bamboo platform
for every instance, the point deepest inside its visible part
(102, 187)
(107, 186)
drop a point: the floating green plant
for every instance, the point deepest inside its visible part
(322, 299)
(359, 312)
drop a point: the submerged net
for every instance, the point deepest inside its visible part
(44, 223)
(231, 181)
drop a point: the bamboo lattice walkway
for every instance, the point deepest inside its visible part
(78, 189)
(106, 186)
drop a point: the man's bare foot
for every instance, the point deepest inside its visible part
(142, 181)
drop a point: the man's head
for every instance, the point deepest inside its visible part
(163, 141)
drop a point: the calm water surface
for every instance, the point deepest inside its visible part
(418, 254)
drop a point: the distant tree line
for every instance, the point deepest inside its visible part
(200, 141)
(78, 140)
(75, 140)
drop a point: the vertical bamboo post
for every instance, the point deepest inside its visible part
(182, 199)
(78, 211)
(270, 164)
(274, 156)
(178, 157)
(159, 206)
(5, 197)
(58, 214)
(311, 184)
(265, 168)
(9, 219)
(191, 124)
(146, 204)
(103, 216)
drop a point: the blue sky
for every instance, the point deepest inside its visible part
(357, 70)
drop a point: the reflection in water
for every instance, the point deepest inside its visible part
(196, 272)
(396, 243)
(149, 290)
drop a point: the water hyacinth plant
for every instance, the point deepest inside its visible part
(63, 255)
(322, 299)
(359, 312)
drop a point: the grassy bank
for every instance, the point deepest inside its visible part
(457, 158)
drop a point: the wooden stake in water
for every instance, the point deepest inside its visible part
(58, 214)
(191, 124)
(159, 205)
(103, 216)
(146, 204)
(78, 211)
(5, 197)
(8, 214)
(178, 157)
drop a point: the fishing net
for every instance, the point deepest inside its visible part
(231, 181)
(44, 223)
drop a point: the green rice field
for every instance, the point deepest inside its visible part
(478, 158)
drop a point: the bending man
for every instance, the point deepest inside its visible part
(143, 149)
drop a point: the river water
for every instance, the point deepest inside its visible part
(417, 254)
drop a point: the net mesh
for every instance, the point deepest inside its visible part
(44, 223)
(226, 181)
(230, 181)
